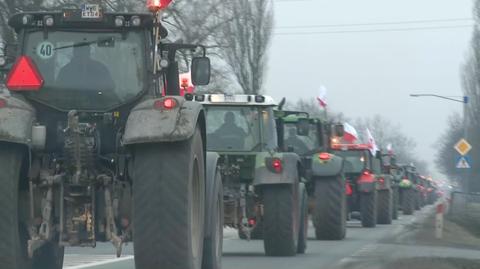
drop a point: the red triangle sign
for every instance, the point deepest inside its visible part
(24, 76)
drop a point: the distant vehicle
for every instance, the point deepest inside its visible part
(368, 188)
(263, 194)
(321, 169)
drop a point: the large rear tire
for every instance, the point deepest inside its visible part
(330, 211)
(368, 209)
(408, 205)
(303, 228)
(417, 200)
(395, 203)
(281, 220)
(169, 204)
(385, 207)
(13, 232)
(213, 245)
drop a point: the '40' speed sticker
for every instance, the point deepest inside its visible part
(45, 50)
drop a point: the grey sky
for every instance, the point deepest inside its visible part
(373, 73)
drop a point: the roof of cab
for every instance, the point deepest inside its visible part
(235, 100)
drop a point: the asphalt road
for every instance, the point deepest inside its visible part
(361, 244)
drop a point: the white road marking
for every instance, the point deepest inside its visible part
(86, 261)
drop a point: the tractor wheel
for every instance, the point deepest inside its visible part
(395, 197)
(330, 211)
(303, 228)
(213, 245)
(408, 205)
(169, 204)
(281, 220)
(13, 233)
(417, 200)
(384, 207)
(368, 209)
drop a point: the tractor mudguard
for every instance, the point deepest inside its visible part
(212, 185)
(149, 124)
(265, 175)
(387, 182)
(16, 121)
(366, 187)
(328, 168)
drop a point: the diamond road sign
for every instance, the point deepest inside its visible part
(463, 147)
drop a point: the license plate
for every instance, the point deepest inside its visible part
(90, 11)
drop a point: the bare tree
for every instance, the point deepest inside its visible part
(245, 40)
(446, 155)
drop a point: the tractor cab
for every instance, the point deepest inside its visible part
(91, 60)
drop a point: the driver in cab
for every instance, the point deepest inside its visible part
(230, 132)
(82, 72)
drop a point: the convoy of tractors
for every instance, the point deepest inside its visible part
(98, 145)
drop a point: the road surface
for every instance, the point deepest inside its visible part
(361, 246)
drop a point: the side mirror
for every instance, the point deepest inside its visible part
(339, 130)
(303, 127)
(201, 71)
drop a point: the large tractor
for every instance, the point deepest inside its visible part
(368, 188)
(322, 170)
(262, 189)
(92, 151)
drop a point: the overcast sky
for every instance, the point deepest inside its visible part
(370, 73)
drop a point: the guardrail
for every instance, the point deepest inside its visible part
(464, 203)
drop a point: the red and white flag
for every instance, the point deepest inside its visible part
(322, 97)
(350, 134)
(390, 149)
(371, 143)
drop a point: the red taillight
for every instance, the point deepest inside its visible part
(324, 156)
(252, 222)
(3, 103)
(381, 180)
(277, 165)
(167, 103)
(348, 189)
(157, 5)
(24, 76)
(366, 173)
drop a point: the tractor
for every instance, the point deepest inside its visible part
(368, 188)
(96, 145)
(263, 196)
(321, 169)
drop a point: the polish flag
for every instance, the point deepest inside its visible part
(322, 97)
(185, 82)
(371, 143)
(390, 149)
(350, 134)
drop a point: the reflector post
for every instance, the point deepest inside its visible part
(24, 76)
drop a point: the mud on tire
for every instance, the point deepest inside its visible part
(330, 211)
(169, 204)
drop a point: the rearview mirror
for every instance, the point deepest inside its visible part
(339, 130)
(201, 71)
(303, 127)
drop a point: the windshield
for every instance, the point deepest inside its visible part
(301, 144)
(87, 71)
(355, 160)
(231, 128)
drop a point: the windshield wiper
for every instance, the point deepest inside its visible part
(87, 43)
